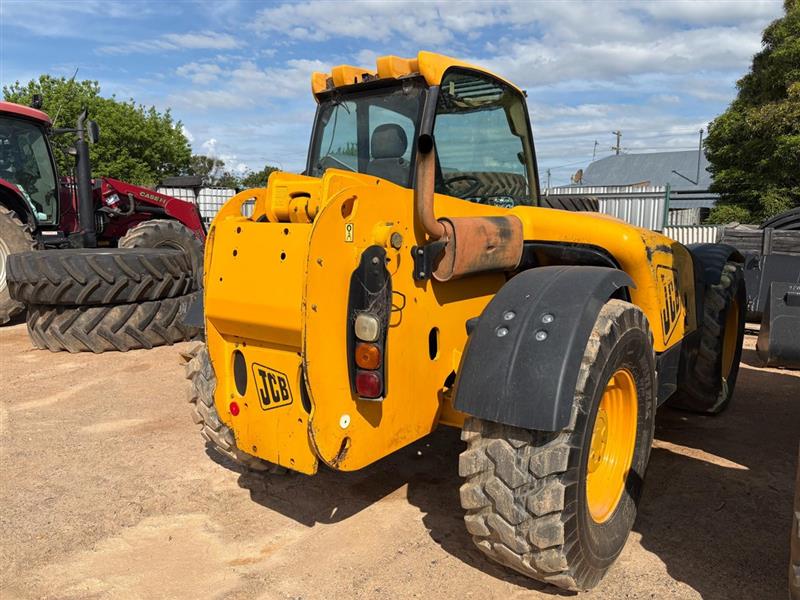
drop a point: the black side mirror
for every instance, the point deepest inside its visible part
(94, 132)
(36, 102)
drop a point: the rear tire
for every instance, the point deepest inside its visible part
(105, 328)
(91, 276)
(15, 236)
(220, 437)
(710, 375)
(527, 493)
(164, 233)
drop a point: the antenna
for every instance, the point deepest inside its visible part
(69, 88)
(616, 149)
(594, 151)
(699, 153)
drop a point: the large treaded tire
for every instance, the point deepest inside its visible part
(218, 436)
(93, 276)
(705, 388)
(572, 203)
(105, 328)
(525, 491)
(15, 236)
(164, 233)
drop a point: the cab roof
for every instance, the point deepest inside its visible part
(11, 108)
(429, 65)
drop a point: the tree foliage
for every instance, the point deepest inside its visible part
(754, 146)
(137, 144)
(214, 173)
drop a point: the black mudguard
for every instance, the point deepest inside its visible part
(517, 379)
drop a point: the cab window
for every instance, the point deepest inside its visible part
(482, 144)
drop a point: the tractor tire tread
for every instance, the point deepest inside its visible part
(516, 480)
(220, 437)
(89, 277)
(113, 327)
(9, 306)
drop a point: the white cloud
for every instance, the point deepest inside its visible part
(200, 73)
(199, 40)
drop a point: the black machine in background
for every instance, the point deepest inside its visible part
(772, 278)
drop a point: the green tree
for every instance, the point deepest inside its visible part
(754, 146)
(137, 144)
(258, 178)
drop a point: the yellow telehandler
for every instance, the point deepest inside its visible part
(413, 277)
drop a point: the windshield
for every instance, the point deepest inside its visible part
(368, 132)
(482, 142)
(25, 162)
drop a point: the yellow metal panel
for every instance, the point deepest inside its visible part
(651, 259)
(415, 393)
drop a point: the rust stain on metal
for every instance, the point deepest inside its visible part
(477, 244)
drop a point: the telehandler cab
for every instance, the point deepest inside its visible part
(411, 277)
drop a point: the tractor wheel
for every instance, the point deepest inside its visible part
(218, 436)
(15, 236)
(163, 233)
(558, 506)
(105, 328)
(711, 376)
(90, 276)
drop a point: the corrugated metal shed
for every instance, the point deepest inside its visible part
(639, 205)
(694, 234)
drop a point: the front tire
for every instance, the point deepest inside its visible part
(710, 378)
(15, 236)
(534, 501)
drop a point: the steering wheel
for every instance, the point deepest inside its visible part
(329, 162)
(476, 184)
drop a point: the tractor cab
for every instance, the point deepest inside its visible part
(26, 162)
(484, 149)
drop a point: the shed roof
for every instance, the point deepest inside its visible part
(657, 168)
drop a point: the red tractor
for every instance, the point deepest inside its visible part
(39, 210)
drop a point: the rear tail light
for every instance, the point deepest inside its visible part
(369, 384)
(367, 327)
(368, 310)
(368, 356)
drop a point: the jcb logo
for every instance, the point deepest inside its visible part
(272, 387)
(671, 303)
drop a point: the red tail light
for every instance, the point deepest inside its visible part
(369, 384)
(234, 408)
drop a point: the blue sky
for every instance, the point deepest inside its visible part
(237, 73)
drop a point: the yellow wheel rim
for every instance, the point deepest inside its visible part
(613, 441)
(730, 337)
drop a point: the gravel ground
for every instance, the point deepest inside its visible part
(106, 491)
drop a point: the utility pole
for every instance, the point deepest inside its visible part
(594, 152)
(616, 149)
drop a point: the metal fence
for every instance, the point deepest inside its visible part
(209, 199)
(644, 206)
(694, 234)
